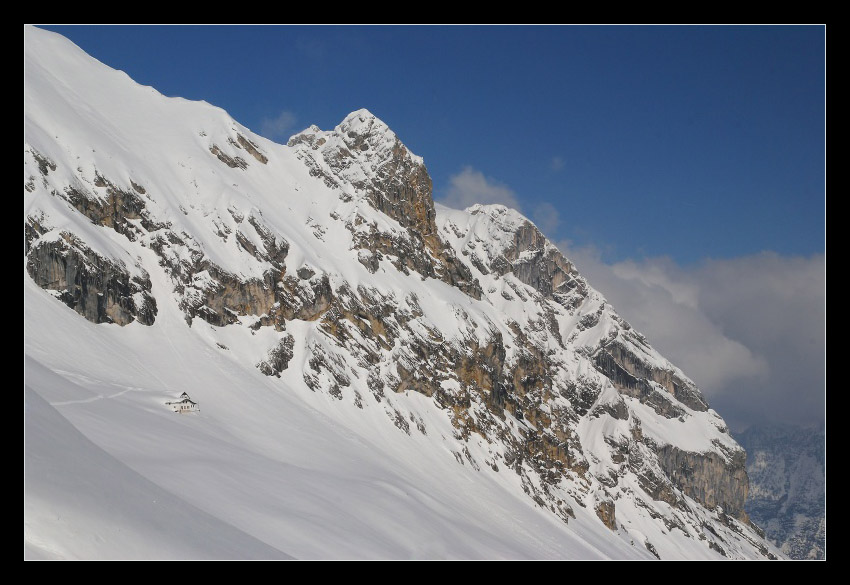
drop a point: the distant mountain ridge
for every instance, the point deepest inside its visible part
(787, 498)
(378, 376)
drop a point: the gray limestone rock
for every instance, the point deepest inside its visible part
(101, 290)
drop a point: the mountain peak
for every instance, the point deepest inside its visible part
(363, 130)
(337, 330)
(362, 152)
(360, 135)
(362, 117)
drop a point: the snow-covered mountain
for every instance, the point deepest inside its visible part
(786, 466)
(377, 376)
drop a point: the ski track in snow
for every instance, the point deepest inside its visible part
(92, 399)
(84, 380)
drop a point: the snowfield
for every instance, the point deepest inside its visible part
(262, 465)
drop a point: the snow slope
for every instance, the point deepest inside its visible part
(377, 377)
(100, 508)
(258, 458)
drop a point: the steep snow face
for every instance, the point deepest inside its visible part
(376, 376)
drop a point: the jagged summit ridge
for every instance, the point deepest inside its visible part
(329, 317)
(360, 130)
(363, 153)
(364, 160)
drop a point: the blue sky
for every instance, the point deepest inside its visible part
(681, 168)
(690, 142)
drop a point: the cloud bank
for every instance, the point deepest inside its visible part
(279, 127)
(470, 186)
(546, 218)
(749, 331)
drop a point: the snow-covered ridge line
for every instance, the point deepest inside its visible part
(379, 376)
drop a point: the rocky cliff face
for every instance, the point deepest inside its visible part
(99, 289)
(365, 159)
(787, 486)
(333, 247)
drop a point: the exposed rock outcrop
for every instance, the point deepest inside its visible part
(101, 290)
(540, 265)
(219, 297)
(278, 357)
(629, 372)
(252, 148)
(233, 162)
(120, 209)
(709, 478)
(364, 153)
(606, 512)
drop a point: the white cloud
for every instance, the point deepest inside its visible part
(470, 186)
(546, 217)
(556, 164)
(749, 331)
(279, 127)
